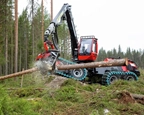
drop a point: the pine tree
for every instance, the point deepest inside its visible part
(5, 35)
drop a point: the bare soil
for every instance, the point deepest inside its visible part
(56, 82)
(126, 97)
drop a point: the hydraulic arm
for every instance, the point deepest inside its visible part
(64, 14)
(49, 58)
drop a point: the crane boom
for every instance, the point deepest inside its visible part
(64, 14)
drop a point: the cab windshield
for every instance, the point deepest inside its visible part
(85, 46)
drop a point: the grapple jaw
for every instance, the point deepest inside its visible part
(46, 61)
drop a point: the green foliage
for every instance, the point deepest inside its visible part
(14, 106)
(68, 94)
(73, 97)
(2, 59)
(4, 99)
(22, 107)
(70, 82)
(26, 92)
(40, 46)
(91, 88)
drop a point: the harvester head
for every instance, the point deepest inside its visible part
(45, 62)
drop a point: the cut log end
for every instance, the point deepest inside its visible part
(126, 61)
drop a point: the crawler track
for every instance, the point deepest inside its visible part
(77, 74)
(110, 77)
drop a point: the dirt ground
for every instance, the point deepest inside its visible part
(56, 82)
(126, 97)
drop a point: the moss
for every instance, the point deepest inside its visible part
(73, 98)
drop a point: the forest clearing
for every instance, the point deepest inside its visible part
(47, 69)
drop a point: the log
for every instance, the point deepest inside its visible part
(127, 97)
(138, 96)
(115, 62)
(18, 73)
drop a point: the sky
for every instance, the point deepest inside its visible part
(113, 22)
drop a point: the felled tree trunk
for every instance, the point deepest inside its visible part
(115, 62)
(127, 97)
(138, 96)
(18, 73)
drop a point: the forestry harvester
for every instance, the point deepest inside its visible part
(86, 51)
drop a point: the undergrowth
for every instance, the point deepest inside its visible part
(32, 97)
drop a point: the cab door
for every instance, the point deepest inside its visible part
(87, 51)
(94, 52)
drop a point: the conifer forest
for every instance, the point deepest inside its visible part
(30, 41)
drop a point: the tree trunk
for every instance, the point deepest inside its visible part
(42, 33)
(16, 35)
(137, 96)
(33, 30)
(51, 10)
(26, 51)
(12, 52)
(20, 57)
(6, 52)
(18, 73)
(6, 42)
(115, 62)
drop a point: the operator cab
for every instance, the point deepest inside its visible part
(88, 49)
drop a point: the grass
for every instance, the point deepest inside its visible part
(73, 98)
